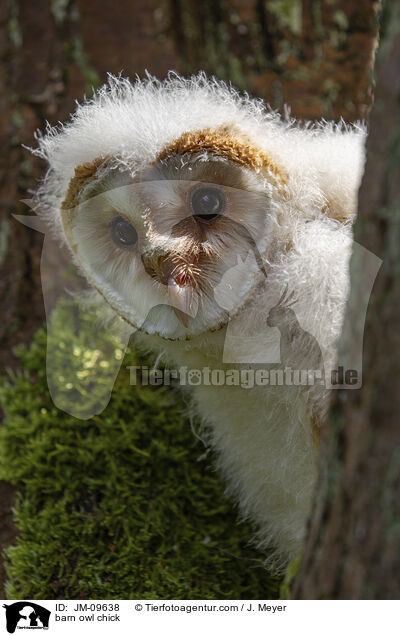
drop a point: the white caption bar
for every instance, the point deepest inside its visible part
(144, 617)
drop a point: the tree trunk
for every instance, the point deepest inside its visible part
(52, 52)
(353, 550)
(310, 54)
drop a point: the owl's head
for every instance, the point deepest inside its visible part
(160, 188)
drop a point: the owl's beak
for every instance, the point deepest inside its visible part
(183, 300)
(182, 296)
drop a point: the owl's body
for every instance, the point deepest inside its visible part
(230, 206)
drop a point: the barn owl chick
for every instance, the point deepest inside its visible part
(196, 214)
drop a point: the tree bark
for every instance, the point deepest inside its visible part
(353, 551)
(313, 55)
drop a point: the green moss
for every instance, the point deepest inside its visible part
(59, 10)
(17, 117)
(82, 367)
(290, 576)
(5, 230)
(14, 29)
(125, 504)
(288, 13)
(340, 18)
(89, 73)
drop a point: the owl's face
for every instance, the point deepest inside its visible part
(157, 242)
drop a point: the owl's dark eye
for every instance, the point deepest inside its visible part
(123, 233)
(207, 204)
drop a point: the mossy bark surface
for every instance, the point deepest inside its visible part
(125, 504)
(313, 55)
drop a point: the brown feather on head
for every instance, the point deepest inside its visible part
(227, 143)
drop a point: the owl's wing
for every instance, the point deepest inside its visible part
(85, 350)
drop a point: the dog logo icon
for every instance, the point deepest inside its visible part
(26, 615)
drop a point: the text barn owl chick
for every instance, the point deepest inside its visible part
(215, 228)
